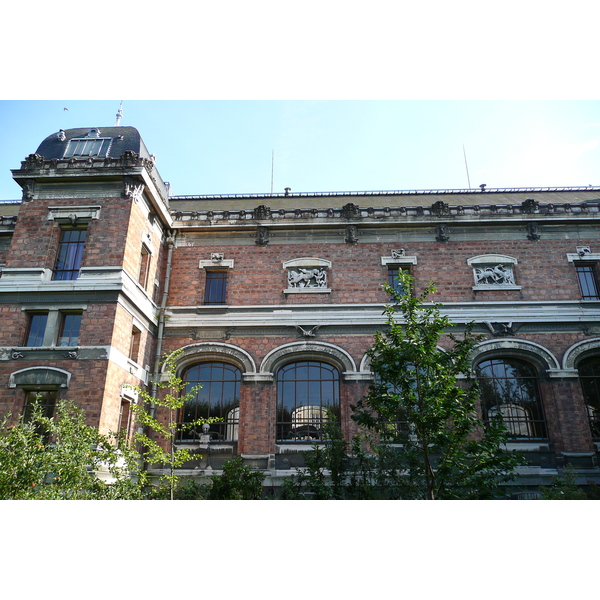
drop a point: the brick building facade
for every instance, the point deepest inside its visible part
(273, 300)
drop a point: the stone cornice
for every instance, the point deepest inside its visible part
(34, 164)
(437, 212)
(92, 280)
(310, 315)
(35, 168)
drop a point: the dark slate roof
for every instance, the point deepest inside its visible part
(52, 147)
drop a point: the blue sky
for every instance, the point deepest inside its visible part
(228, 147)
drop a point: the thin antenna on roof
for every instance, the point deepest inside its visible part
(119, 114)
(272, 168)
(466, 166)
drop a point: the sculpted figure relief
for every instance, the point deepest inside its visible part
(494, 275)
(307, 278)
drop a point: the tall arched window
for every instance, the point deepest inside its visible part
(510, 388)
(589, 375)
(306, 391)
(218, 396)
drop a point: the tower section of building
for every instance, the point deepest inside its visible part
(82, 274)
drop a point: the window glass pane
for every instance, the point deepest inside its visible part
(393, 272)
(87, 147)
(218, 397)
(216, 287)
(589, 375)
(587, 281)
(44, 399)
(37, 328)
(70, 252)
(306, 390)
(70, 330)
(144, 270)
(509, 388)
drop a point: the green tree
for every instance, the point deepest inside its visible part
(160, 429)
(61, 457)
(426, 437)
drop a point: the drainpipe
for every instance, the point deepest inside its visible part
(161, 317)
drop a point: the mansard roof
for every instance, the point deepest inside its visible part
(402, 198)
(122, 139)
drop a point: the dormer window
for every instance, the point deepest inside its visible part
(90, 145)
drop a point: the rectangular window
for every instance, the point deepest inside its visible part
(586, 273)
(216, 287)
(87, 147)
(69, 334)
(70, 252)
(134, 346)
(144, 267)
(44, 400)
(124, 418)
(37, 329)
(393, 272)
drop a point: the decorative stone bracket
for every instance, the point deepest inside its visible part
(217, 260)
(398, 257)
(584, 253)
(132, 190)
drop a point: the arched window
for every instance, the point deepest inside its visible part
(589, 375)
(306, 391)
(392, 402)
(510, 388)
(218, 396)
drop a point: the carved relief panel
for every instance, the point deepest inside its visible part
(307, 275)
(493, 271)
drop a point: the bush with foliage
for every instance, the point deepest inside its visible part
(237, 482)
(325, 476)
(60, 457)
(564, 487)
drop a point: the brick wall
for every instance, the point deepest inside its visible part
(356, 273)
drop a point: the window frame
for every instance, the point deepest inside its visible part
(73, 340)
(125, 417)
(79, 143)
(31, 397)
(70, 253)
(53, 327)
(590, 388)
(135, 344)
(588, 268)
(144, 268)
(215, 293)
(211, 396)
(392, 279)
(398, 261)
(316, 413)
(42, 329)
(529, 428)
